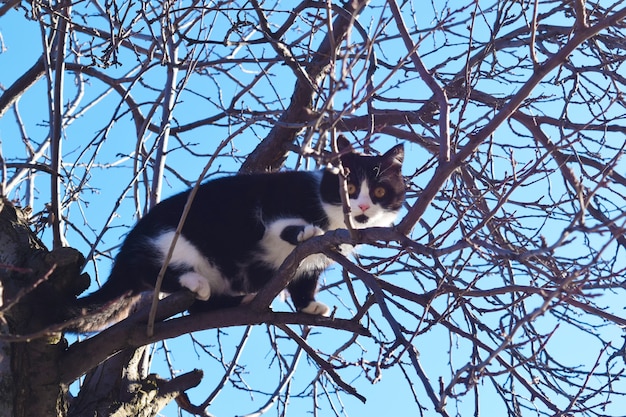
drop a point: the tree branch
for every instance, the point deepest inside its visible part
(270, 154)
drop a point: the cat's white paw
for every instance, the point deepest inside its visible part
(317, 308)
(197, 284)
(309, 232)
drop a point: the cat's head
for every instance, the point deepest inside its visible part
(375, 185)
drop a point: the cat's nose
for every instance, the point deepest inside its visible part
(364, 207)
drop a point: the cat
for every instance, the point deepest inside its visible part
(240, 229)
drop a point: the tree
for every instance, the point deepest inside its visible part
(509, 252)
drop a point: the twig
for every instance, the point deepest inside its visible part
(439, 93)
(283, 383)
(327, 367)
(533, 35)
(371, 283)
(443, 171)
(233, 364)
(57, 47)
(581, 14)
(167, 107)
(179, 228)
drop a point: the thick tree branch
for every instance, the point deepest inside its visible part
(271, 153)
(130, 333)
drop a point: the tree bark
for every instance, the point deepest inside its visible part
(35, 285)
(28, 294)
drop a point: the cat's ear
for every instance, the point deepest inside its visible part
(395, 155)
(343, 144)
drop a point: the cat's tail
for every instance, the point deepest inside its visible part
(100, 309)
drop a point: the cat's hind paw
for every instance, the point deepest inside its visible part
(197, 284)
(308, 232)
(317, 308)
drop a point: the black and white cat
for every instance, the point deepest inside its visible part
(241, 228)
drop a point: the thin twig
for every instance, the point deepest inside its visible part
(327, 367)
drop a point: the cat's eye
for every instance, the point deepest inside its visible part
(351, 189)
(379, 192)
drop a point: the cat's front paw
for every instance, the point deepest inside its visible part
(197, 284)
(308, 232)
(317, 308)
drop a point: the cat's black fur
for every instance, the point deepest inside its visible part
(240, 228)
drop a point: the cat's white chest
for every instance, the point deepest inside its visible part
(274, 249)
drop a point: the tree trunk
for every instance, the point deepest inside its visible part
(34, 281)
(35, 285)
